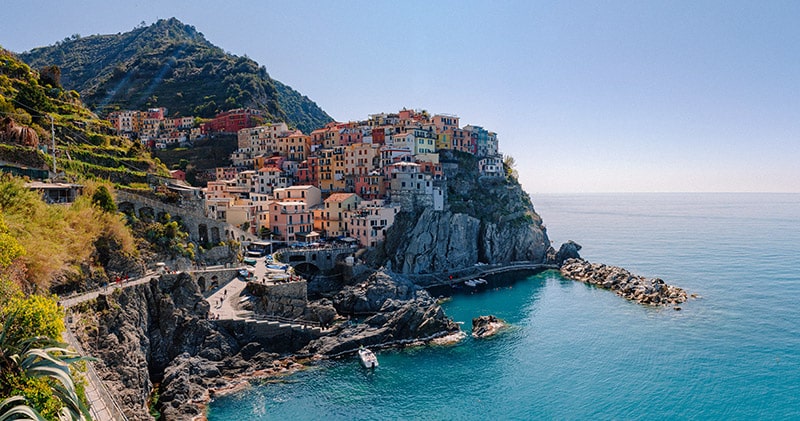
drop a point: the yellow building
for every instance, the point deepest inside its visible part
(331, 220)
(331, 169)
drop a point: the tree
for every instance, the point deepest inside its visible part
(510, 164)
(50, 75)
(32, 97)
(102, 199)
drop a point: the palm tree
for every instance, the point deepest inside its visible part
(39, 357)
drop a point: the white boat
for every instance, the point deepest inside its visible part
(367, 357)
(481, 281)
(471, 283)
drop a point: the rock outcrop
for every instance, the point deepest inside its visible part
(485, 326)
(568, 250)
(158, 333)
(632, 287)
(485, 220)
(439, 241)
(397, 312)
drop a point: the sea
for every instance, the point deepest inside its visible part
(577, 352)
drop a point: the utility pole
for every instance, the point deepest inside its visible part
(53, 137)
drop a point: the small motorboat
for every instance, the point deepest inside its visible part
(471, 283)
(367, 357)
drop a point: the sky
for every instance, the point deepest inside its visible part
(587, 96)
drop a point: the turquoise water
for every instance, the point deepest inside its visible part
(577, 352)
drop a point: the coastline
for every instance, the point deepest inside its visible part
(294, 363)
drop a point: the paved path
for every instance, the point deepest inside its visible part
(226, 299)
(102, 405)
(70, 301)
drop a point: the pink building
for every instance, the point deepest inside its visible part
(288, 219)
(225, 173)
(445, 122)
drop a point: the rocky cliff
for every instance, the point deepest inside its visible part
(137, 333)
(486, 219)
(157, 333)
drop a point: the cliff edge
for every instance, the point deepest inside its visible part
(486, 219)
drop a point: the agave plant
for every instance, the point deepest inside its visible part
(40, 357)
(15, 408)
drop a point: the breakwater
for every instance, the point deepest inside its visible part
(637, 288)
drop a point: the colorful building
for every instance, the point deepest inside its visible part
(369, 222)
(331, 218)
(308, 194)
(287, 219)
(234, 120)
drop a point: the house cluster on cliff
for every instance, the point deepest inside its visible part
(153, 128)
(344, 179)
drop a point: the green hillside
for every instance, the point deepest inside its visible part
(170, 64)
(85, 145)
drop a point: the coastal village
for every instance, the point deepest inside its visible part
(174, 314)
(343, 180)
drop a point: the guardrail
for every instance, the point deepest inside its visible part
(110, 404)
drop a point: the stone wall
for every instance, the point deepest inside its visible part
(208, 279)
(200, 227)
(285, 300)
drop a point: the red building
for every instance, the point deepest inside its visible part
(308, 172)
(379, 135)
(178, 175)
(371, 186)
(234, 120)
(434, 169)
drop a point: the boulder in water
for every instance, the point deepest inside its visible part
(485, 326)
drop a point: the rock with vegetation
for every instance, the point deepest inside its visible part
(91, 243)
(486, 220)
(139, 331)
(170, 64)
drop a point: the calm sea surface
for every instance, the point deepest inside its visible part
(577, 352)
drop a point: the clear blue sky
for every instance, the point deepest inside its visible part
(605, 96)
